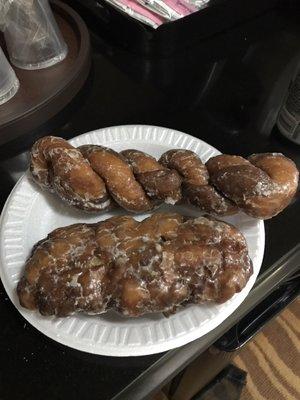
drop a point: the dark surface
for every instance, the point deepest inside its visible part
(219, 95)
(43, 93)
(181, 35)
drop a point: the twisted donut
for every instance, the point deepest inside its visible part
(133, 267)
(95, 178)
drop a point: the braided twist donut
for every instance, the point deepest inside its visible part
(135, 268)
(96, 178)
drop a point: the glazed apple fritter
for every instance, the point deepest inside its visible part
(157, 265)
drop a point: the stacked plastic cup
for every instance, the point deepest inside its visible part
(32, 36)
(9, 83)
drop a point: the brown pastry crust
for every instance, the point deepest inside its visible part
(159, 182)
(196, 187)
(61, 168)
(135, 267)
(262, 186)
(188, 164)
(119, 178)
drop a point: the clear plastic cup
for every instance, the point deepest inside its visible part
(33, 38)
(9, 83)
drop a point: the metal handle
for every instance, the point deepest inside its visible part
(253, 322)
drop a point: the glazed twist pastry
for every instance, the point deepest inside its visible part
(135, 268)
(95, 178)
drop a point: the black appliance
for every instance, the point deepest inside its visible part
(180, 35)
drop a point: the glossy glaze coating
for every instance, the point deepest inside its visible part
(94, 178)
(157, 265)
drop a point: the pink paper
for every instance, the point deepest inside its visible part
(181, 7)
(139, 9)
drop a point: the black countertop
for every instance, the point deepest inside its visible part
(224, 98)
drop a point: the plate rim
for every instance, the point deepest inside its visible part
(115, 350)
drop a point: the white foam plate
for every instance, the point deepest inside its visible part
(30, 214)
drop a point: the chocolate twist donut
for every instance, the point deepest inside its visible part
(95, 178)
(135, 268)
